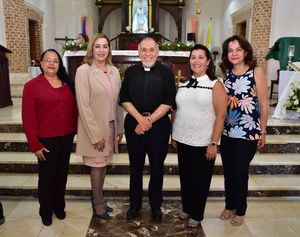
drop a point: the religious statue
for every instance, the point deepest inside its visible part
(140, 17)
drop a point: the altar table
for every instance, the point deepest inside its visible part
(176, 60)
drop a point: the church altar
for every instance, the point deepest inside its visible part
(176, 60)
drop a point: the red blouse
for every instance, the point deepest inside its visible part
(47, 111)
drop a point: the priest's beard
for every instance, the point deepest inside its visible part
(150, 65)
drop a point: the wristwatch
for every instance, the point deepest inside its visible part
(213, 144)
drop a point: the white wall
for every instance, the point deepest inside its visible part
(112, 26)
(209, 8)
(167, 25)
(68, 16)
(228, 8)
(46, 8)
(2, 26)
(285, 22)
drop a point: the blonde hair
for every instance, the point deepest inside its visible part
(89, 53)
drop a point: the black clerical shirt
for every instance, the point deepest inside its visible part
(147, 90)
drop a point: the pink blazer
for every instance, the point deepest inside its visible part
(93, 106)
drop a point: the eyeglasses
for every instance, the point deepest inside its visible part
(49, 60)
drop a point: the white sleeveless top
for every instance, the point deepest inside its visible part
(195, 115)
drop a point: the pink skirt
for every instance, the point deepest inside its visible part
(103, 161)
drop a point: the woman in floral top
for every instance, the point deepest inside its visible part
(245, 124)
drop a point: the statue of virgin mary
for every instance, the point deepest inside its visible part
(140, 17)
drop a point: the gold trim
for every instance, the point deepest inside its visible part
(150, 15)
(130, 14)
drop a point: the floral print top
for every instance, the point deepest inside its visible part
(242, 119)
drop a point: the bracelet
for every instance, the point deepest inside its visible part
(263, 132)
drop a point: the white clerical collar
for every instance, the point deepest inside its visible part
(147, 69)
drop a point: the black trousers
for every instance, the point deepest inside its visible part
(53, 174)
(155, 144)
(195, 173)
(236, 157)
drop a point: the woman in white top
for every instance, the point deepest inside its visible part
(198, 123)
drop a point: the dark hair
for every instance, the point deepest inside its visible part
(249, 59)
(61, 73)
(85, 37)
(210, 68)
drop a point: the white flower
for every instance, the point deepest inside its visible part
(292, 93)
(296, 102)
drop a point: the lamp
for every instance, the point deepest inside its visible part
(291, 53)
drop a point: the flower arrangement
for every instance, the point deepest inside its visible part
(293, 100)
(175, 46)
(75, 46)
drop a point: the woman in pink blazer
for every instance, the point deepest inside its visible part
(100, 122)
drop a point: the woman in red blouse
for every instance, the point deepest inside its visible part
(49, 115)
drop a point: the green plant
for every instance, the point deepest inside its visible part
(75, 46)
(175, 46)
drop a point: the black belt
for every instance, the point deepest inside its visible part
(146, 113)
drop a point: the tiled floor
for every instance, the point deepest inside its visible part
(278, 218)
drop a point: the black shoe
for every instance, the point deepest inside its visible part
(60, 215)
(105, 216)
(108, 209)
(47, 221)
(132, 213)
(2, 220)
(156, 215)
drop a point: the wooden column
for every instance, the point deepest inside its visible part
(5, 95)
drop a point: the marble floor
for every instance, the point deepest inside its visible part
(265, 218)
